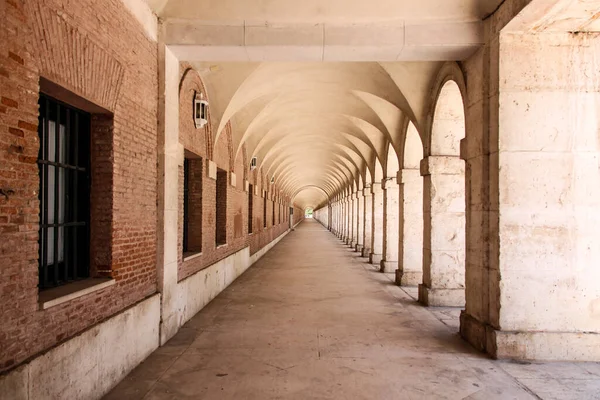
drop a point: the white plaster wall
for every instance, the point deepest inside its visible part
(90, 364)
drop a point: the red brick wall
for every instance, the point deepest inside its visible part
(97, 50)
(199, 142)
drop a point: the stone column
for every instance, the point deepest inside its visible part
(342, 219)
(368, 223)
(534, 279)
(348, 219)
(377, 232)
(353, 217)
(332, 218)
(339, 219)
(360, 222)
(410, 248)
(336, 215)
(391, 193)
(444, 232)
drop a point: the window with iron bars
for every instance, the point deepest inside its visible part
(64, 169)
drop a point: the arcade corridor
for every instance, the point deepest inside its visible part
(312, 320)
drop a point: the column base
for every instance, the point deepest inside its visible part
(365, 252)
(454, 297)
(408, 278)
(375, 258)
(524, 345)
(388, 267)
(353, 243)
(359, 248)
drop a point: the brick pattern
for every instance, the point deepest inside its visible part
(97, 50)
(104, 56)
(199, 142)
(101, 195)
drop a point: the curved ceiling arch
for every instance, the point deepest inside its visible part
(333, 172)
(315, 77)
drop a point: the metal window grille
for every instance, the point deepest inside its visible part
(64, 195)
(250, 206)
(186, 203)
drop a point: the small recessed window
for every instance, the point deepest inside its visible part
(221, 208)
(265, 211)
(192, 205)
(250, 206)
(253, 163)
(64, 168)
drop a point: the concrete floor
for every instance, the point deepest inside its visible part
(312, 320)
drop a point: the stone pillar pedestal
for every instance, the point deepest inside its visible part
(444, 232)
(410, 247)
(376, 254)
(391, 194)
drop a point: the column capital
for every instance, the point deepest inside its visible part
(444, 165)
(389, 183)
(367, 192)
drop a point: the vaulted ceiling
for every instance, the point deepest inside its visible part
(320, 91)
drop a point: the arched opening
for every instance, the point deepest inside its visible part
(391, 211)
(376, 253)
(410, 253)
(444, 204)
(308, 212)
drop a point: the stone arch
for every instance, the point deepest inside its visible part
(378, 176)
(413, 148)
(392, 164)
(447, 107)
(197, 140)
(410, 249)
(444, 205)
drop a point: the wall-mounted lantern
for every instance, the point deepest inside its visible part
(272, 179)
(200, 110)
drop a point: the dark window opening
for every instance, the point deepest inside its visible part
(221, 200)
(250, 206)
(192, 205)
(64, 169)
(265, 210)
(273, 214)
